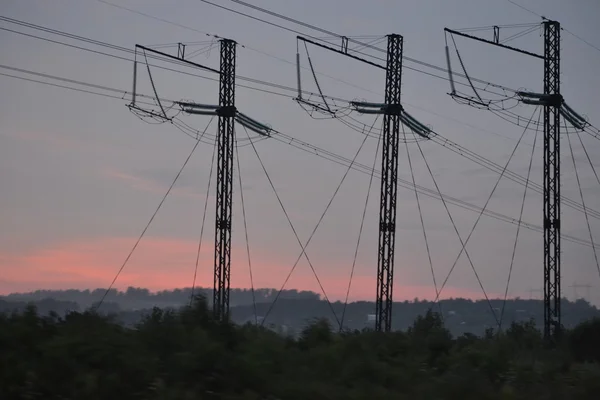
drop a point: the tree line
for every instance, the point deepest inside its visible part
(295, 309)
(136, 298)
(187, 354)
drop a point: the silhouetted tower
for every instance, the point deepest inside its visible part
(228, 115)
(552, 284)
(554, 108)
(389, 185)
(225, 148)
(588, 291)
(394, 116)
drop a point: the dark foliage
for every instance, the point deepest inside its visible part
(186, 354)
(295, 309)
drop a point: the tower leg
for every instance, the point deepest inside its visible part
(389, 185)
(552, 284)
(225, 143)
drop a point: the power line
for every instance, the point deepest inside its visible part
(210, 174)
(587, 220)
(463, 249)
(494, 167)
(564, 29)
(303, 252)
(150, 221)
(360, 231)
(455, 230)
(525, 8)
(157, 18)
(130, 51)
(412, 174)
(158, 58)
(582, 39)
(237, 156)
(293, 228)
(281, 16)
(514, 250)
(588, 158)
(327, 155)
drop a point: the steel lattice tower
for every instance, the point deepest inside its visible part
(225, 147)
(552, 289)
(389, 185)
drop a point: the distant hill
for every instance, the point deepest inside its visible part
(140, 298)
(295, 309)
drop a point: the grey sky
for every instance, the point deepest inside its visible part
(78, 171)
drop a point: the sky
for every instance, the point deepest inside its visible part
(81, 175)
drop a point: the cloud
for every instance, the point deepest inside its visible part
(148, 183)
(157, 263)
(166, 263)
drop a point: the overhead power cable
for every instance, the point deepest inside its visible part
(237, 156)
(295, 21)
(587, 155)
(457, 235)
(123, 49)
(564, 29)
(311, 149)
(464, 244)
(303, 252)
(524, 8)
(154, 57)
(412, 174)
(293, 229)
(150, 221)
(210, 175)
(514, 250)
(587, 220)
(360, 231)
(510, 175)
(593, 46)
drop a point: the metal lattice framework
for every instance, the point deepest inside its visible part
(552, 289)
(389, 185)
(225, 151)
(554, 108)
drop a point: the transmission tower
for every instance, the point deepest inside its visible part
(389, 185)
(588, 289)
(228, 115)
(554, 107)
(225, 143)
(552, 289)
(394, 118)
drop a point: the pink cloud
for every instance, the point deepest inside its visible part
(158, 263)
(167, 263)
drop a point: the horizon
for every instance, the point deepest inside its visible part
(120, 291)
(82, 175)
